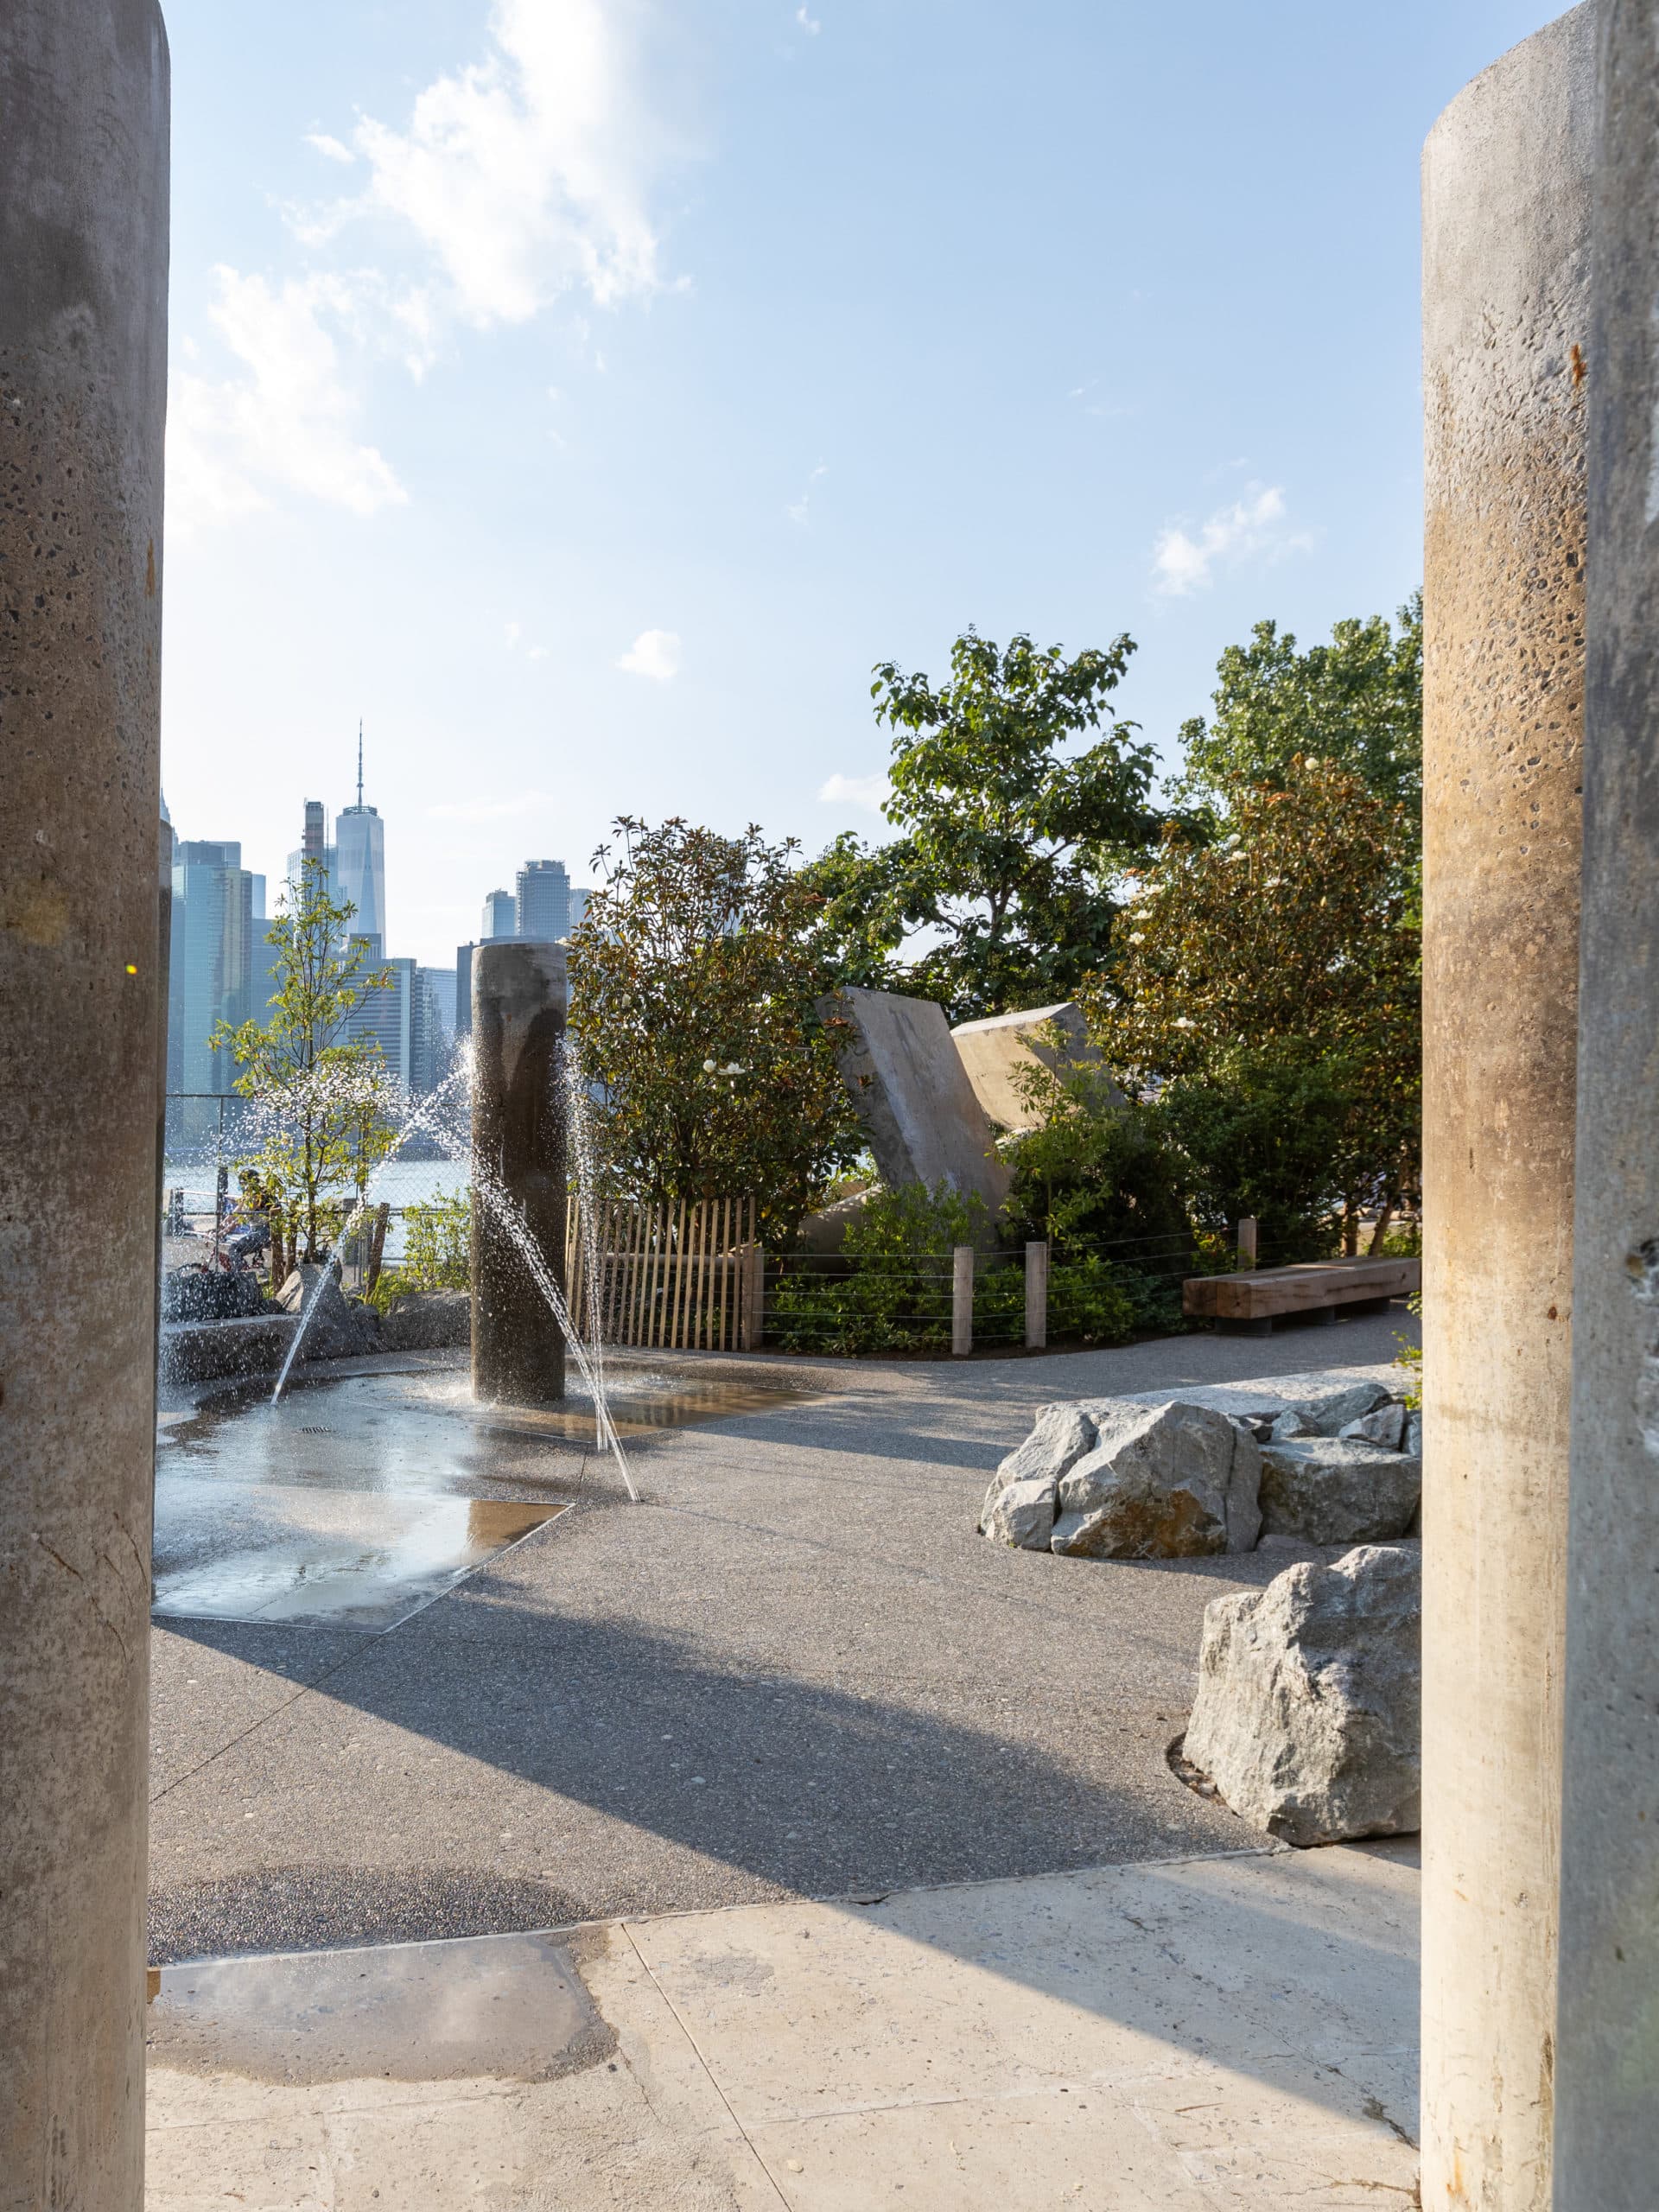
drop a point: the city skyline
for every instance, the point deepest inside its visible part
(597, 472)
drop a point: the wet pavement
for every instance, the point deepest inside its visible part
(796, 1670)
(355, 1502)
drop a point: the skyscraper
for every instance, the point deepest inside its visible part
(500, 916)
(211, 961)
(313, 846)
(543, 900)
(359, 871)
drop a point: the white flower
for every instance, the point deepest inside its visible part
(708, 1068)
(1137, 937)
(1232, 857)
(1227, 844)
(1183, 1023)
(733, 1067)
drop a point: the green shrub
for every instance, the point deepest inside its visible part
(438, 1249)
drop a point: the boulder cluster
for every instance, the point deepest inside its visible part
(1119, 1478)
(1307, 1722)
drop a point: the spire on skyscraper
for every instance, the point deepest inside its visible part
(359, 760)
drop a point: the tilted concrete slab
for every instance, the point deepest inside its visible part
(995, 1052)
(1231, 2031)
(906, 1077)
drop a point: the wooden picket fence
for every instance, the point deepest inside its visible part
(673, 1276)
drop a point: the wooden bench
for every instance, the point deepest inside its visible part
(1251, 1302)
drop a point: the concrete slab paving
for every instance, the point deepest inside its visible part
(1233, 2031)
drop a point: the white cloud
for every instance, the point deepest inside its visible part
(489, 810)
(810, 24)
(798, 509)
(529, 172)
(289, 419)
(1254, 526)
(868, 791)
(514, 631)
(655, 653)
(515, 180)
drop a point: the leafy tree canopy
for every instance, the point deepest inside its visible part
(1008, 835)
(1256, 970)
(694, 983)
(1357, 702)
(327, 1095)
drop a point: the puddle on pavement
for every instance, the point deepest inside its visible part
(355, 1501)
(224, 1551)
(424, 1433)
(502, 2007)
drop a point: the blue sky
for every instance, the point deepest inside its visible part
(588, 392)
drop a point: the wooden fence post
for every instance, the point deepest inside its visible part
(962, 1302)
(1247, 1242)
(752, 1326)
(1036, 1297)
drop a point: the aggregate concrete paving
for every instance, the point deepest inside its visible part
(794, 1670)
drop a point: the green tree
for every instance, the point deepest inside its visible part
(1357, 702)
(1009, 837)
(325, 1097)
(1266, 995)
(695, 983)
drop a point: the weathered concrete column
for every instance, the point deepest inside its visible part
(1607, 2060)
(1506, 177)
(518, 1008)
(83, 374)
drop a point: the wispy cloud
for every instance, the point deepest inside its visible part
(866, 792)
(810, 24)
(515, 180)
(799, 510)
(491, 810)
(289, 418)
(655, 653)
(1254, 527)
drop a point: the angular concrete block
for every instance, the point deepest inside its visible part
(995, 1052)
(906, 1077)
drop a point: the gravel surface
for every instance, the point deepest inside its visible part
(796, 1670)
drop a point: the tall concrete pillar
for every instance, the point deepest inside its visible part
(1506, 178)
(83, 372)
(1607, 2065)
(519, 1009)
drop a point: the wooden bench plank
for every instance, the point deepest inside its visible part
(1261, 1293)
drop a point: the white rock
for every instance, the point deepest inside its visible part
(1386, 1426)
(1022, 1515)
(1063, 1435)
(1169, 1482)
(1413, 1439)
(1335, 1490)
(1308, 1718)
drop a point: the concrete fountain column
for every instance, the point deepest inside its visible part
(518, 1010)
(1607, 2059)
(83, 377)
(1507, 177)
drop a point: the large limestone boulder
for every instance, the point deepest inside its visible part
(904, 1075)
(1164, 1481)
(1021, 1515)
(1327, 1413)
(426, 1321)
(1338, 1490)
(996, 1053)
(1308, 1718)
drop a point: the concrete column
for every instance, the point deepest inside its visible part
(519, 1009)
(1506, 177)
(1607, 2063)
(83, 376)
